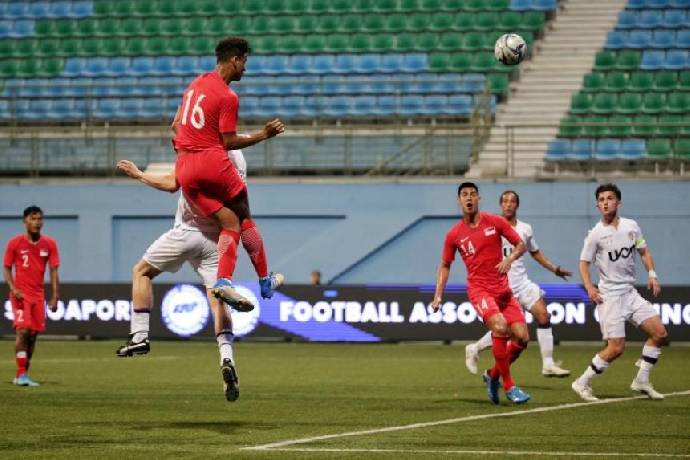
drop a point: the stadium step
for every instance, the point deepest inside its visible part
(542, 95)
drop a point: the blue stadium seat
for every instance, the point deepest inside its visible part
(627, 20)
(184, 65)
(59, 9)
(21, 108)
(616, 39)
(581, 149)
(392, 63)
(22, 28)
(473, 82)
(269, 106)
(38, 10)
(607, 149)
(683, 39)
(521, 5)
(106, 108)
(364, 106)
(436, 104)
(557, 149)
(324, 63)
(294, 106)
(658, 3)
(650, 19)
(130, 108)
(459, 104)
(249, 107)
(300, 64)
(81, 9)
(95, 67)
(338, 106)
(133, 86)
(411, 105)
(386, 105)
(677, 59)
(652, 60)
(679, 3)
(345, 64)
(73, 67)
(62, 108)
(142, 66)
(663, 39)
(380, 84)
(674, 19)
(5, 109)
(164, 65)
(205, 64)
(368, 63)
(6, 28)
(544, 5)
(415, 63)
(118, 67)
(632, 149)
(639, 39)
(277, 65)
(152, 107)
(636, 4)
(17, 10)
(39, 109)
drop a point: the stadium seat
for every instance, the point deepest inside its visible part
(644, 126)
(659, 149)
(607, 149)
(604, 60)
(616, 39)
(650, 19)
(604, 103)
(616, 81)
(663, 39)
(498, 83)
(653, 103)
(682, 149)
(581, 149)
(595, 127)
(682, 39)
(632, 149)
(684, 80)
(670, 125)
(674, 19)
(580, 103)
(629, 103)
(460, 104)
(628, 60)
(677, 59)
(665, 81)
(653, 60)
(619, 126)
(639, 39)
(627, 20)
(678, 103)
(557, 150)
(521, 5)
(641, 81)
(569, 127)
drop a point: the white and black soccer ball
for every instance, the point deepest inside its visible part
(510, 49)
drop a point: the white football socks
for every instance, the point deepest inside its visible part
(139, 325)
(484, 343)
(224, 340)
(545, 339)
(650, 355)
(598, 366)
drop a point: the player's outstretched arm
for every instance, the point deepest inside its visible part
(234, 141)
(550, 266)
(10, 282)
(592, 291)
(653, 282)
(441, 280)
(164, 182)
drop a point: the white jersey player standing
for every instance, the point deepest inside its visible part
(192, 239)
(611, 245)
(528, 293)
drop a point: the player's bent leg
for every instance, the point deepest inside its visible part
(224, 337)
(519, 338)
(550, 368)
(600, 362)
(142, 301)
(472, 351)
(651, 351)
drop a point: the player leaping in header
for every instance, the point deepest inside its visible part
(478, 239)
(527, 292)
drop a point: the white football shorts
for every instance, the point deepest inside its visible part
(527, 294)
(179, 245)
(619, 308)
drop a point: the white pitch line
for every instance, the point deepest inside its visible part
(291, 442)
(485, 452)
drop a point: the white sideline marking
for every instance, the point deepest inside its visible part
(290, 442)
(114, 358)
(486, 452)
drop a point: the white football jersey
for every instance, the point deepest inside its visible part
(613, 252)
(517, 276)
(185, 217)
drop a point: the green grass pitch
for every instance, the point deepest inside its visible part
(169, 404)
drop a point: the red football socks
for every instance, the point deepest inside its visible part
(502, 366)
(227, 253)
(254, 245)
(514, 350)
(22, 361)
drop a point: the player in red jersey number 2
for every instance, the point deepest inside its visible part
(29, 253)
(478, 239)
(207, 129)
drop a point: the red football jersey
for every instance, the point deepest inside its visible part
(209, 109)
(481, 249)
(29, 260)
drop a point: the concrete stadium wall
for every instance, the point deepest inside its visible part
(364, 232)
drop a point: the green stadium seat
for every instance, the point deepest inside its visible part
(6, 48)
(319, 6)
(195, 26)
(404, 43)
(350, 23)
(595, 127)
(238, 25)
(337, 43)
(328, 24)
(8, 68)
(487, 21)
(471, 5)
(431, 5)
(604, 60)
(91, 48)
(644, 126)
(500, 5)
(24, 48)
(151, 26)
(179, 46)
(620, 126)
(629, 103)
(29, 68)
(167, 9)
(360, 43)
(460, 63)
(426, 42)
(418, 22)
(284, 24)
(396, 23)
(262, 25)
(604, 103)
(485, 63)
(208, 8)
(499, 83)
(112, 48)
(628, 60)
(511, 20)
(439, 62)
(69, 47)
(51, 68)
(533, 20)
(475, 41)
(684, 81)
(134, 47)
(291, 44)
(342, 6)
(451, 42)
(264, 45)
(677, 102)
(144, 9)
(383, 43)
(670, 125)
(104, 8)
(187, 8)
(580, 104)
(128, 27)
(665, 81)
(172, 26)
(125, 8)
(654, 103)
(441, 22)
(45, 28)
(593, 82)
(463, 22)
(405, 5)
(297, 6)
(616, 82)
(641, 81)
(570, 127)
(659, 149)
(88, 27)
(682, 149)
(307, 24)
(157, 46)
(314, 44)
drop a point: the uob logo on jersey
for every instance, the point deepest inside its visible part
(185, 310)
(622, 252)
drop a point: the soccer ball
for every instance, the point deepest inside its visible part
(510, 49)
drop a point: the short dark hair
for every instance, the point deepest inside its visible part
(517, 197)
(231, 47)
(467, 185)
(610, 187)
(33, 209)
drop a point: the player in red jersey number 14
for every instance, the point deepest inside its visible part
(477, 237)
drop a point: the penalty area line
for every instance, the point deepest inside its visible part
(469, 418)
(484, 452)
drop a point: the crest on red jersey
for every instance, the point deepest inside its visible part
(488, 231)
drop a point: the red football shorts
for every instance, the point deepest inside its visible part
(208, 179)
(29, 313)
(488, 304)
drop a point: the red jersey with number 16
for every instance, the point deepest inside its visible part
(29, 260)
(481, 249)
(209, 109)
